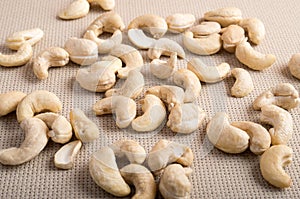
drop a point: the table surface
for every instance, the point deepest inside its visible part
(216, 174)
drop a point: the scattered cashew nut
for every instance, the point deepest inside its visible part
(104, 4)
(205, 28)
(224, 16)
(163, 69)
(139, 39)
(76, 10)
(255, 28)
(9, 101)
(243, 84)
(231, 37)
(294, 65)
(165, 46)
(179, 22)
(21, 57)
(64, 157)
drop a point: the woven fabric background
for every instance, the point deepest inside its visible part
(216, 174)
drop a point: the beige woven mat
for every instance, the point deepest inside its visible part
(216, 174)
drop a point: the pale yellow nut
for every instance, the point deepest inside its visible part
(255, 28)
(64, 157)
(76, 10)
(104, 4)
(21, 57)
(179, 22)
(205, 28)
(231, 37)
(139, 39)
(224, 16)
(165, 46)
(9, 101)
(163, 69)
(243, 85)
(294, 65)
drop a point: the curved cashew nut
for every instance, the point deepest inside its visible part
(139, 39)
(123, 107)
(224, 16)
(154, 114)
(9, 101)
(243, 84)
(61, 129)
(76, 10)
(225, 136)
(294, 65)
(35, 141)
(50, 57)
(208, 74)
(64, 157)
(179, 22)
(271, 165)
(17, 39)
(36, 102)
(163, 69)
(156, 25)
(282, 123)
(205, 28)
(185, 118)
(260, 139)
(251, 58)
(255, 28)
(232, 36)
(20, 58)
(165, 46)
(104, 4)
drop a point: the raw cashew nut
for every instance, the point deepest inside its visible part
(50, 57)
(132, 87)
(232, 36)
(139, 39)
(21, 57)
(76, 10)
(61, 129)
(17, 39)
(156, 25)
(255, 28)
(130, 56)
(243, 84)
(185, 118)
(100, 76)
(225, 136)
(36, 102)
(85, 129)
(163, 69)
(252, 58)
(205, 28)
(208, 74)
(142, 179)
(282, 123)
(271, 165)
(179, 22)
(154, 114)
(294, 65)
(123, 107)
(35, 141)
(283, 95)
(64, 157)
(9, 101)
(224, 16)
(165, 46)
(104, 4)
(260, 139)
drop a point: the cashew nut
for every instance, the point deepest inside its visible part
(139, 39)
(165, 46)
(85, 129)
(36, 102)
(50, 57)
(225, 136)
(232, 36)
(205, 28)
(17, 39)
(123, 107)
(9, 101)
(163, 69)
(282, 123)
(271, 165)
(130, 56)
(251, 58)
(35, 141)
(185, 118)
(104, 4)
(224, 16)
(260, 139)
(243, 84)
(64, 157)
(156, 25)
(154, 114)
(21, 57)
(61, 129)
(255, 28)
(76, 10)
(208, 74)
(294, 65)
(179, 22)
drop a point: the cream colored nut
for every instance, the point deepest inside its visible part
(294, 65)
(17, 39)
(50, 57)
(252, 58)
(154, 114)
(84, 128)
(123, 107)
(132, 87)
(208, 74)
(175, 183)
(185, 118)
(282, 123)
(255, 28)
(35, 141)
(9, 101)
(139, 39)
(165, 46)
(243, 84)
(104, 4)
(105, 172)
(82, 51)
(76, 10)
(232, 36)
(100, 76)
(272, 163)
(155, 24)
(163, 69)
(61, 129)
(36, 102)
(142, 179)
(204, 45)
(224, 16)
(21, 57)
(283, 95)
(179, 22)
(64, 157)
(225, 136)
(205, 28)
(260, 139)
(130, 56)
